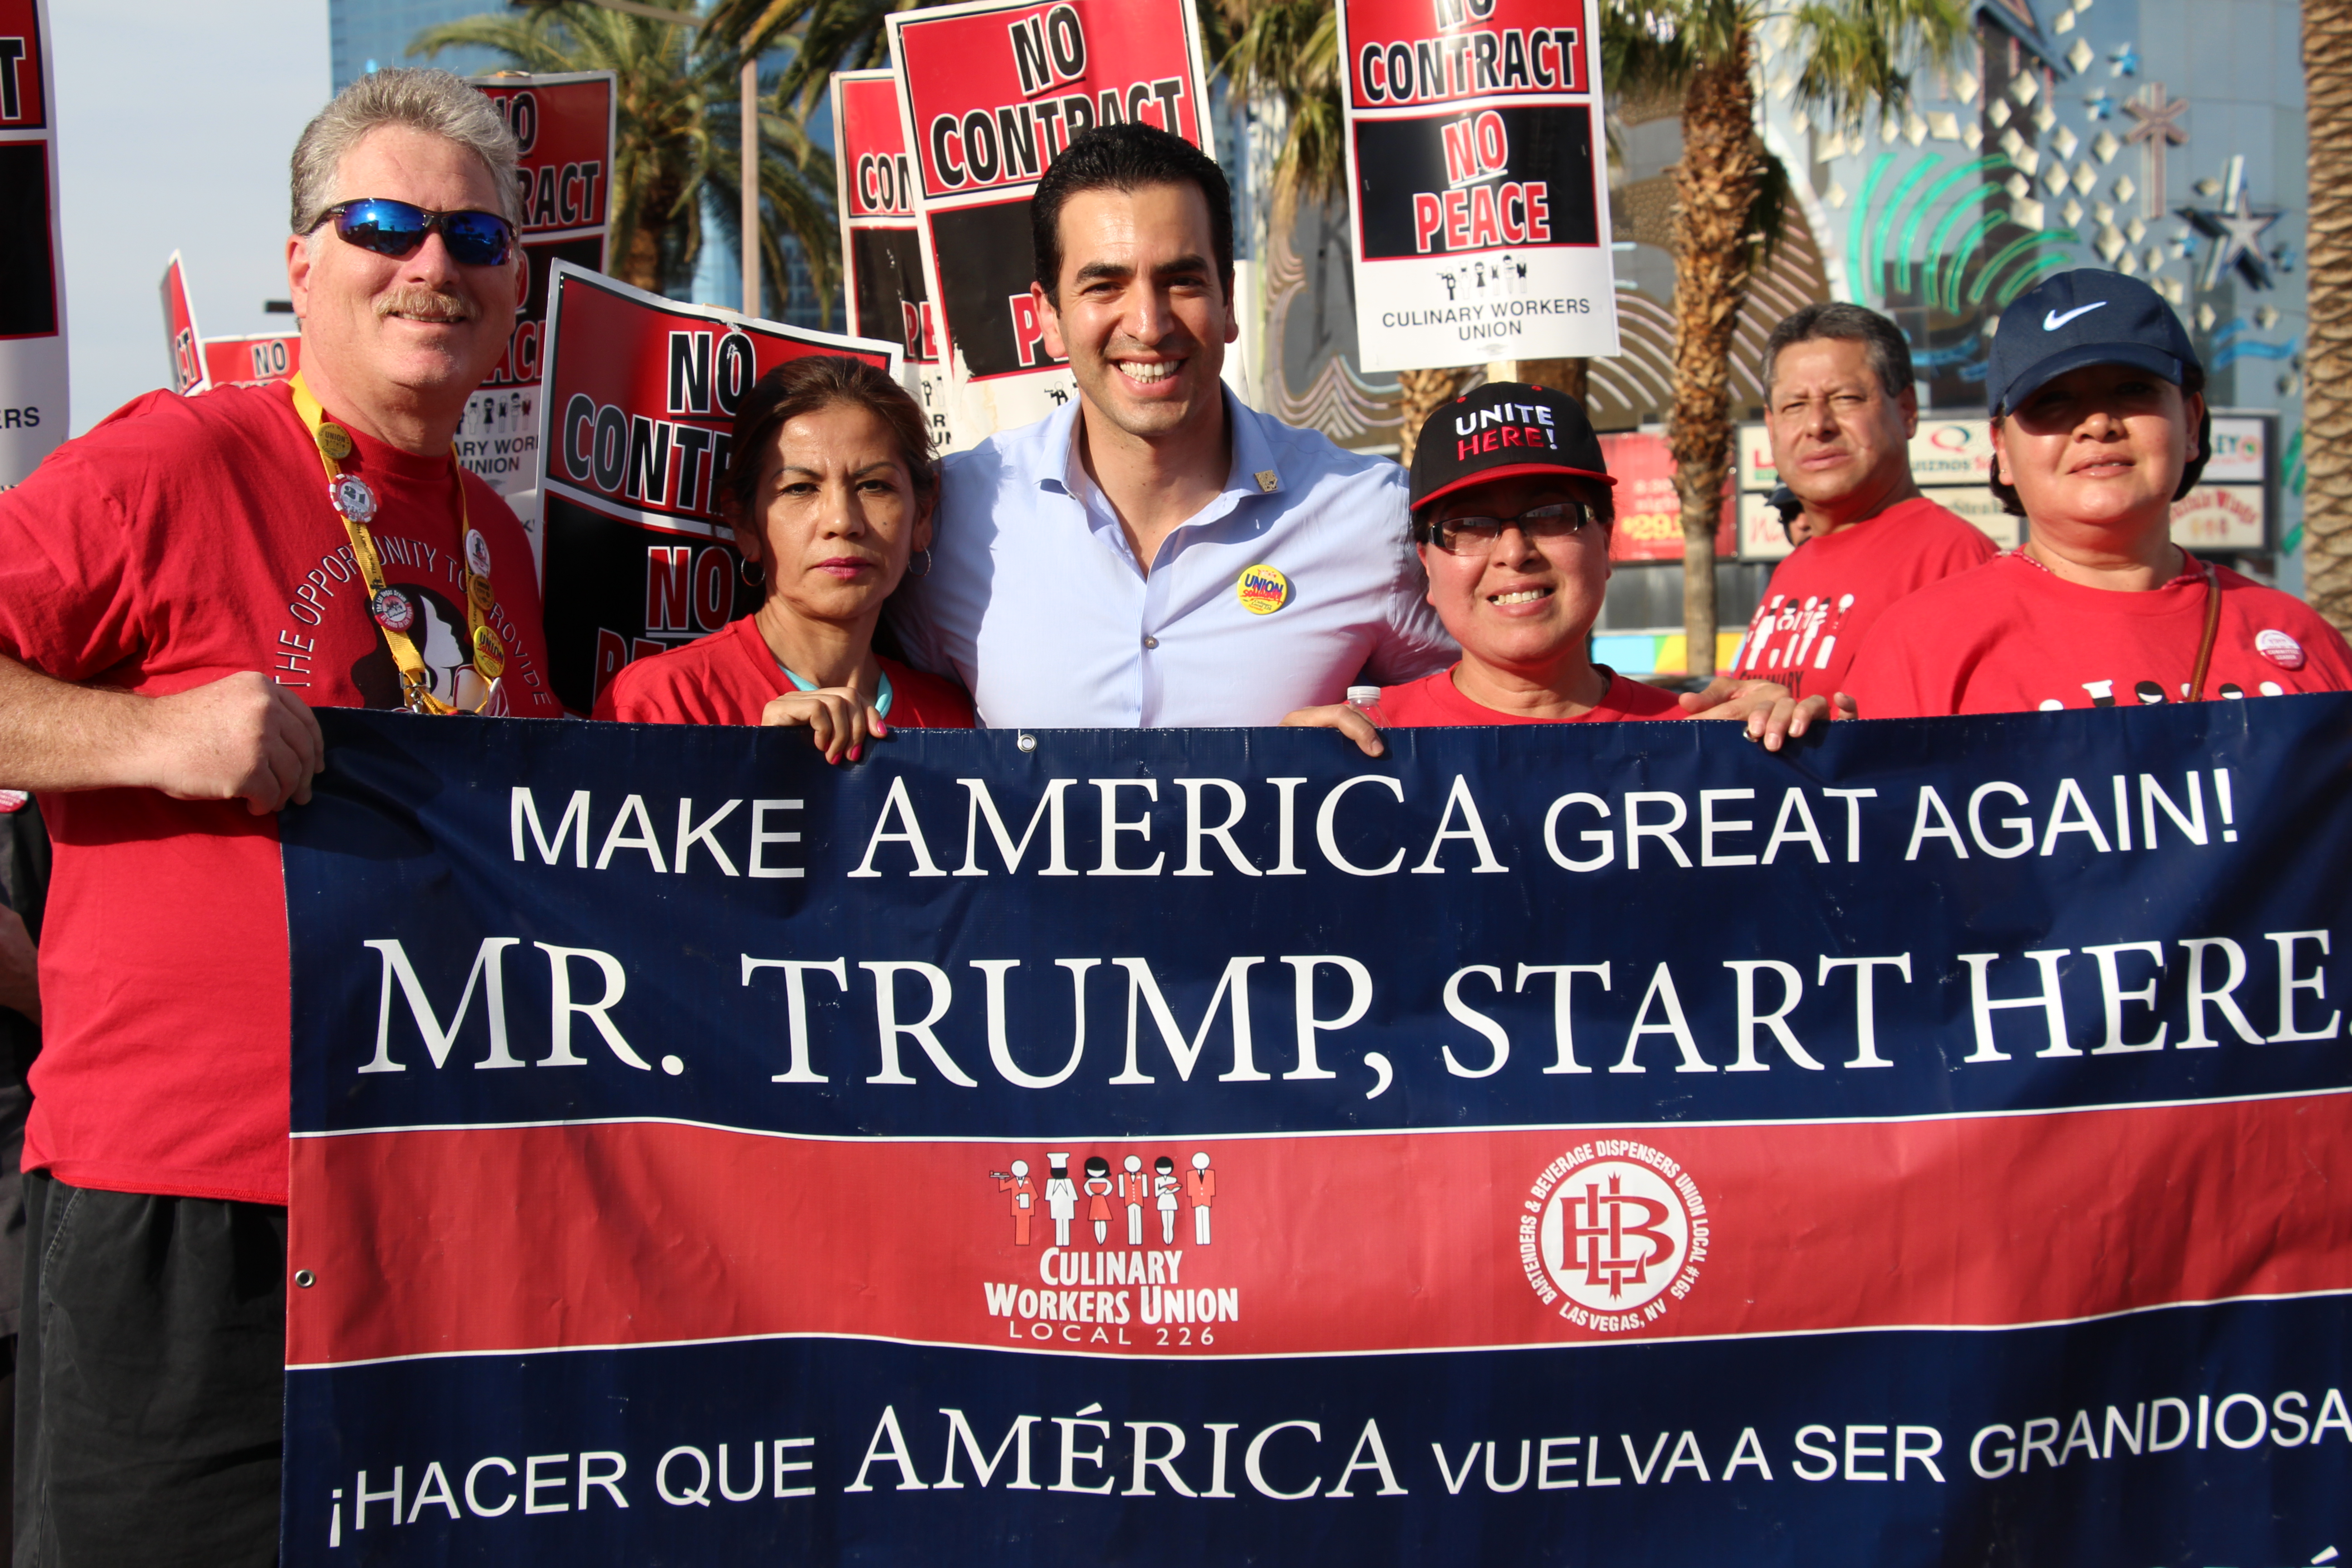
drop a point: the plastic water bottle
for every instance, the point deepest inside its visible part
(1365, 699)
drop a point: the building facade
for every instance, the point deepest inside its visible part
(368, 35)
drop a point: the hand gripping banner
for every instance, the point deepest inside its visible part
(1583, 1144)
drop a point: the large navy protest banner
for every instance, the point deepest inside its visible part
(1475, 138)
(639, 407)
(1578, 1144)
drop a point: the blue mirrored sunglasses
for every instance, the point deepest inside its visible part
(395, 229)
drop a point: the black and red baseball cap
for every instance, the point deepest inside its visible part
(1499, 431)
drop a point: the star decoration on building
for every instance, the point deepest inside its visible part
(2124, 61)
(2101, 104)
(2157, 125)
(2236, 227)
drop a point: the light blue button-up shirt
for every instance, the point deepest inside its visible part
(1036, 602)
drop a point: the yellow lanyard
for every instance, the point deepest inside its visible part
(354, 502)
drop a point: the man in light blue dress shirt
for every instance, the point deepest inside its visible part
(1156, 553)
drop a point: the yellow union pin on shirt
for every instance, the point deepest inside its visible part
(1262, 590)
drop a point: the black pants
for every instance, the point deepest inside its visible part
(151, 1381)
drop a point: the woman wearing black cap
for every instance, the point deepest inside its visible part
(1512, 513)
(2098, 425)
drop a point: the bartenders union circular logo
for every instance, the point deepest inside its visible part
(1611, 1235)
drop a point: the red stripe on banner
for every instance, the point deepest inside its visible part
(438, 1242)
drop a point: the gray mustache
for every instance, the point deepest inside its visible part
(427, 304)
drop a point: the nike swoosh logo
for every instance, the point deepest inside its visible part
(2053, 321)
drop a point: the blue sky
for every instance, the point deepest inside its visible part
(174, 124)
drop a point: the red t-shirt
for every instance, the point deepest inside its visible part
(2013, 637)
(1823, 598)
(731, 677)
(183, 541)
(1435, 701)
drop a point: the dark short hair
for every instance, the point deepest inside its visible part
(1881, 339)
(2192, 380)
(805, 386)
(1126, 157)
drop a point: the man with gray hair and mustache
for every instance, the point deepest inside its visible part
(178, 589)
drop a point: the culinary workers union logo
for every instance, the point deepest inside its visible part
(1612, 1233)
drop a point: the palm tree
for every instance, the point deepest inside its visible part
(2327, 384)
(1289, 50)
(832, 36)
(679, 137)
(1856, 55)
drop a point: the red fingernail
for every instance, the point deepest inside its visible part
(853, 751)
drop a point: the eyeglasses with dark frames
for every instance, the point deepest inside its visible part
(1476, 535)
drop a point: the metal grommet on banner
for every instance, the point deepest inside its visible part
(1027, 742)
(305, 1278)
(335, 441)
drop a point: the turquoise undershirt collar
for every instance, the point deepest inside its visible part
(881, 702)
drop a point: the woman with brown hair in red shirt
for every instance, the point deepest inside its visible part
(831, 488)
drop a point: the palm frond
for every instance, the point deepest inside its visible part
(1860, 54)
(840, 35)
(678, 114)
(1289, 50)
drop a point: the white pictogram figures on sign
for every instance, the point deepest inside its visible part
(1061, 1197)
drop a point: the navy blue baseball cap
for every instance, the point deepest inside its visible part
(2085, 317)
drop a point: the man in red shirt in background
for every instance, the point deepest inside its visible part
(177, 589)
(1841, 411)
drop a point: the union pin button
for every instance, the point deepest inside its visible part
(1262, 590)
(335, 441)
(392, 610)
(490, 653)
(352, 498)
(477, 552)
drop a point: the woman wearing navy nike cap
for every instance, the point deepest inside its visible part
(2099, 425)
